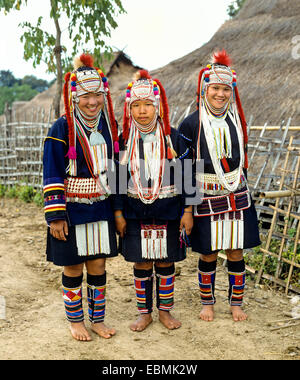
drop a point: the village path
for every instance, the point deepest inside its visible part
(35, 325)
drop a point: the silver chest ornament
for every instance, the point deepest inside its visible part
(96, 138)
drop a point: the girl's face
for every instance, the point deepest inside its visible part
(143, 111)
(91, 103)
(218, 95)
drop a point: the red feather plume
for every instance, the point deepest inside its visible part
(87, 60)
(222, 58)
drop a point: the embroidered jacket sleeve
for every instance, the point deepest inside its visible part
(55, 149)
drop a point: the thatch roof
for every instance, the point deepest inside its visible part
(259, 40)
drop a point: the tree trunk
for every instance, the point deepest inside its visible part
(57, 53)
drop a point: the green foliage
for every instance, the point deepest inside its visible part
(7, 78)
(255, 258)
(89, 20)
(234, 8)
(13, 89)
(26, 194)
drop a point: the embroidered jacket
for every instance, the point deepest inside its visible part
(56, 178)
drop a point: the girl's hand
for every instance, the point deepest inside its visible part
(59, 229)
(120, 223)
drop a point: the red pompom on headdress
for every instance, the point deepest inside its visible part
(87, 60)
(222, 58)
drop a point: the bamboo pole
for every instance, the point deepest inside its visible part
(274, 218)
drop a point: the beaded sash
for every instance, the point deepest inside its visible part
(84, 190)
(224, 203)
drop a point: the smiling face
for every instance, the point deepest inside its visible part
(218, 95)
(143, 111)
(91, 103)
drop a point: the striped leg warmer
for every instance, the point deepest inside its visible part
(143, 284)
(96, 288)
(165, 279)
(236, 276)
(206, 278)
(72, 296)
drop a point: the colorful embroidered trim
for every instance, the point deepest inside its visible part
(207, 287)
(165, 291)
(54, 198)
(73, 304)
(144, 294)
(236, 288)
(96, 303)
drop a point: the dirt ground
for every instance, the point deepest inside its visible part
(35, 327)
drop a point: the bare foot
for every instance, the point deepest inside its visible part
(168, 321)
(207, 313)
(79, 332)
(102, 330)
(141, 323)
(238, 314)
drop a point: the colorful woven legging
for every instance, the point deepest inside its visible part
(143, 284)
(236, 276)
(72, 296)
(206, 278)
(96, 289)
(165, 279)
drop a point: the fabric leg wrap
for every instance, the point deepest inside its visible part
(236, 277)
(72, 296)
(165, 281)
(206, 278)
(96, 289)
(143, 284)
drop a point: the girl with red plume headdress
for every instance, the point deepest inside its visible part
(226, 219)
(148, 216)
(78, 155)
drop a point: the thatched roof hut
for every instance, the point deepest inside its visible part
(259, 40)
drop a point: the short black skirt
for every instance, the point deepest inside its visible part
(201, 233)
(64, 253)
(131, 248)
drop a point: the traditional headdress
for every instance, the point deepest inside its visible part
(220, 72)
(143, 87)
(85, 78)
(155, 148)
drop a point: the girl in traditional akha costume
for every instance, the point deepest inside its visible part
(78, 152)
(148, 213)
(226, 219)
